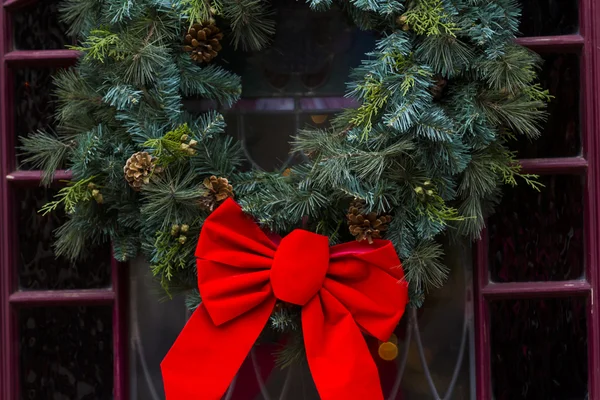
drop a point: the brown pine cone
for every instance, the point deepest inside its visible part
(219, 190)
(138, 169)
(202, 41)
(366, 226)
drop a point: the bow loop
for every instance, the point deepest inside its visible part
(370, 284)
(299, 266)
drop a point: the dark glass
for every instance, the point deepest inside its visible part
(38, 266)
(264, 137)
(311, 54)
(539, 349)
(549, 17)
(538, 236)
(561, 136)
(34, 105)
(66, 353)
(37, 27)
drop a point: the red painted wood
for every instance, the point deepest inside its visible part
(35, 177)
(10, 299)
(555, 44)
(120, 332)
(44, 58)
(8, 334)
(590, 85)
(522, 290)
(587, 43)
(567, 165)
(15, 4)
(482, 321)
(62, 297)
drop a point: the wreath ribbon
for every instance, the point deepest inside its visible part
(343, 291)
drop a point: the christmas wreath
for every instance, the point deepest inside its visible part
(425, 153)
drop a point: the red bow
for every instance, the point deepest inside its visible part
(350, 288)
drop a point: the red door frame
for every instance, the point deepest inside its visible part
(11, 299)
(586, 44)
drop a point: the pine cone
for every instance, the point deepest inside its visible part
(202, 41)
(366, 226)
(138, 169)
(437, 89)
(219, 190)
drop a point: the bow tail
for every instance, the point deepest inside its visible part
(339, 359)
(205, 357)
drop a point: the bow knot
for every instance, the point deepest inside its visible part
(344, 291)
(299, 266)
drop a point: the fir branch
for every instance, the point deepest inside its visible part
(428, 17)
(100, 45)
(424, 268)
(513, 71)
(291, 352)
(175, 145)
(171, 254)
(79, 15)
(251, 23)
(199, 11)
(375, 97)
(285, 319)
(193, 300)
(210, 82)
(46, 152)
(520, 113)
(120, 10)
(70, 196)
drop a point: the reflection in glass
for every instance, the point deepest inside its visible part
(154, 323)
(34, 104)
(538, 236)
(38, 266)
(561, 136)
(264, 136)
(549, 17)
(66, 353)
(37, 27)
(539, 349)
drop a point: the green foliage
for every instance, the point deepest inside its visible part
(292, 352)
(100, 45)
(71, 195)
(172, 253)
(251, 23)
(200, 10)
(46, 152)
(427, 143)
(429, 17)
(173, 146)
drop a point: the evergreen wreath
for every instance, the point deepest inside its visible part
(424, 154)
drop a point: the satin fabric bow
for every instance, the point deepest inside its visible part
(344, 291)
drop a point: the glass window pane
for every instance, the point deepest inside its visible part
(37, 27)
(539, 349)
(66, 353)
(154, 324)
(538, 236)
(37, 264)
(549, 17)
(561, 136)
(311, 54)
(34, 105)
(265, 137)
